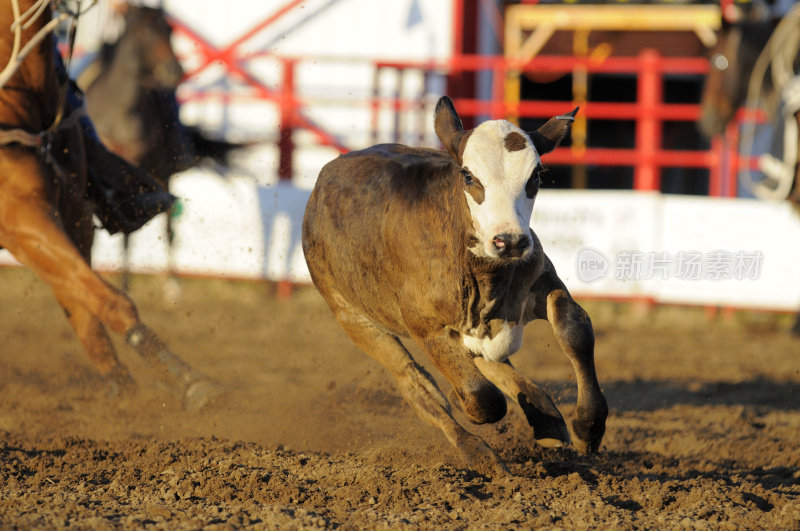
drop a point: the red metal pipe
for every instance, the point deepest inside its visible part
(629, 157)
(648, 128)
(287, 111)
(227, 53)
(458, 27)
(677, 112)
(717, 153)
(557, 63)
(246, 36)
(732, 145)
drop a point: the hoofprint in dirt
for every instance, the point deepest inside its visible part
(702, 433)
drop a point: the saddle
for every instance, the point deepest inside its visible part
(124, 196)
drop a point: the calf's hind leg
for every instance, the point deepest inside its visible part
(574, 333)
(416, 385)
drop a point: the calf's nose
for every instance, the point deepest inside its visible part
(510, 245)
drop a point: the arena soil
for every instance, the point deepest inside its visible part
(703, 430)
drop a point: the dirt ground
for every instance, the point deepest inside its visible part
(703, 430)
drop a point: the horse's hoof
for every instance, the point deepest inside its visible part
(120, 383)
(172, 291)
(201, 393)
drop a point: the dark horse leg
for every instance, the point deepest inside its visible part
(172, 289)
(126, 263)
(31, 229)
(796, 327)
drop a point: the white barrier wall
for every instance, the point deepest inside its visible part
(673, 249)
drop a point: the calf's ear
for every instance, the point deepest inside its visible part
(448, 127)
(547, 137)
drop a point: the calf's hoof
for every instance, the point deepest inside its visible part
(552, 434)
(588, 428)
(549, 428)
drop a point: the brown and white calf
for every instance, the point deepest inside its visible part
(437, 246)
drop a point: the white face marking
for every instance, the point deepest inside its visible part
(506, 208)
(496, 348)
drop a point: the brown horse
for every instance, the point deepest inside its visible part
(755, 63)
(131, 99)
(54, 175)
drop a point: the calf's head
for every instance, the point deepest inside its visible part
(499, 166)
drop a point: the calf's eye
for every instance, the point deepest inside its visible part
(467, 177)
(533, 184)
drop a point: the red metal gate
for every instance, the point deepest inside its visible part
(648, 112)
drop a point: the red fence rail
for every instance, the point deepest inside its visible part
(649, 112)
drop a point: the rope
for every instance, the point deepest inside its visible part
(23, 21)
(62, 93)
(19, 136)
(9, 70)
(779, 56)
(39, 140)
(26, 20)
(32, 14)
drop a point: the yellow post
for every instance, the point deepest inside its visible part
(580, 95)
(512, 43)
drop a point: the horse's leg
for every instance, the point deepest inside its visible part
(172, 290)
(126, 263)
(30, 229)
(94, 338)
(88, 328)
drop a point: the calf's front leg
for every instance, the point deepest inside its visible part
(574, 333)
(480, 400)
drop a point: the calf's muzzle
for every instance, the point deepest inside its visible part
(508, 245)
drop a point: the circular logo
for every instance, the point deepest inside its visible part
(592, 265)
